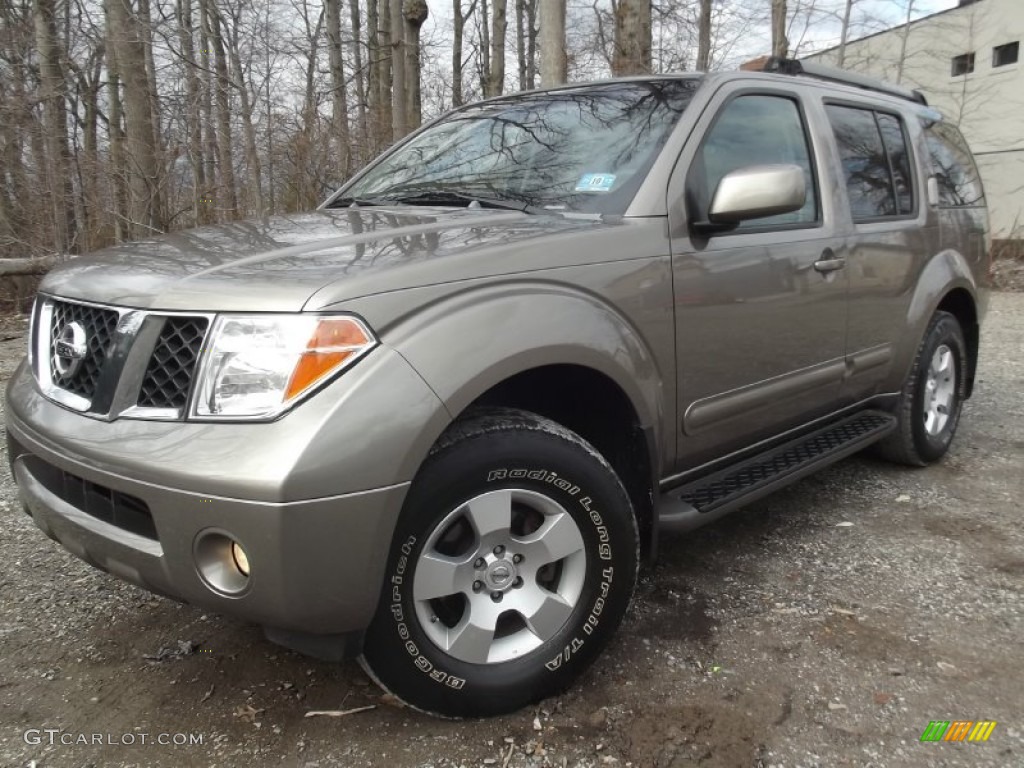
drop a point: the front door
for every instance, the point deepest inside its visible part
(761, 310)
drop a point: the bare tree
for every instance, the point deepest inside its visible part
(704, 36)
(400, 125)
(339, 87)
(126, 37)
(252, 157)
(552, 42)
(52, 95)
(496, 75)
(632, 37)
(458, 29)
(416, 13)
(904, 35)
(780, 44)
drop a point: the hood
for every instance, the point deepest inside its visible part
(310, 260)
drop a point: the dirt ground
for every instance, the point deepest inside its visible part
(823, 626)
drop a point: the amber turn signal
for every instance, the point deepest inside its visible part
(334, 340)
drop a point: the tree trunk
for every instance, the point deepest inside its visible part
(780, 45)
(385, 126)
(339, 89)
(521, 43)
(358, 151)
(458, 21)
(844, 34)
(193, 109)
(252, 155)
(416, 13)
(704, 37)
(228, 191)
(115, 137)
(499, 24)
(146, 27)
(91, 222)
(145, 210)
(484, 58)
(531, 43)
(632, 38)
(211, 146)
(904, 35)
(53, 87)
(399, 123)
(552, 42)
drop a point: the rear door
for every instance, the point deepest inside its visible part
(760, 310)
(889, 239)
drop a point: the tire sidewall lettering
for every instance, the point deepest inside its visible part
(600, 542)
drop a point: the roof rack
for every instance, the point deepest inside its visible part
(781, 66)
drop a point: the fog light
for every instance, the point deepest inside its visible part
(241, 559)
(222, 563)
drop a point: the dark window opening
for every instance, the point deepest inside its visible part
(953, 167)
(1005, 54)
(963, 64)
(876, 162)
(754, 130)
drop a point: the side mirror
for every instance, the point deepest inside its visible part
(757, 191)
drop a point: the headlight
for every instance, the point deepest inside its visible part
(256, 366)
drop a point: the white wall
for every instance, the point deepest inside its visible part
(987, 105)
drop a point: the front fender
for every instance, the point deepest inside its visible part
(471, 341)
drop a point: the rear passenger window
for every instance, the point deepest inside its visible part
(757, 129)
(895, 141)
(876, 162)
(953, 167)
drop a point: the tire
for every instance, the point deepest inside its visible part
(929, 406)
(509, 479)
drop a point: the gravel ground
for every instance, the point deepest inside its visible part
(823, 626)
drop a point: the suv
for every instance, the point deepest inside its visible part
(439, 422)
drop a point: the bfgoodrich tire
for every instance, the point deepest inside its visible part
(929, 407)
(513, 562)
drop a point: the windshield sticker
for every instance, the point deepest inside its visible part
(596, 182)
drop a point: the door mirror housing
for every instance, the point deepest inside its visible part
(755, 192)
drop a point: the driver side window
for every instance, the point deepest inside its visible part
(756, 129)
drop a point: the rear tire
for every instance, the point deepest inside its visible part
(513, 563)
(929, 406)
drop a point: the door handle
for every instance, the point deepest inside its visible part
(829, 262)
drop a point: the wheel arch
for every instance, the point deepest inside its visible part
(960, 303)
(561, 352)
(593, 406)
(946, 284)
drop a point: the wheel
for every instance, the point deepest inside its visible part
(512, 564)
(929, 406)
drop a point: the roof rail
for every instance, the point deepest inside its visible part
(783, 66)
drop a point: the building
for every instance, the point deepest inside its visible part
(966, 61)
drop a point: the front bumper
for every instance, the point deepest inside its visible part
(316, 564)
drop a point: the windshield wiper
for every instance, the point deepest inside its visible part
(341, 202)
(450, 197)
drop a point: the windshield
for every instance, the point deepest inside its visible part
(585, 150)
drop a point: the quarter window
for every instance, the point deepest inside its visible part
(876, 162)
(757, 129)
(952, 166)
(1005, 54)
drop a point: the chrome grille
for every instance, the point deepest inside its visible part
(172, 366)
(98, 324)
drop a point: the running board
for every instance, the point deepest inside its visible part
(709, 498)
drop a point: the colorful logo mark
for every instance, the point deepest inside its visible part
(958, 730)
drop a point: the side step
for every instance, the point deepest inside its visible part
(709, 498)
